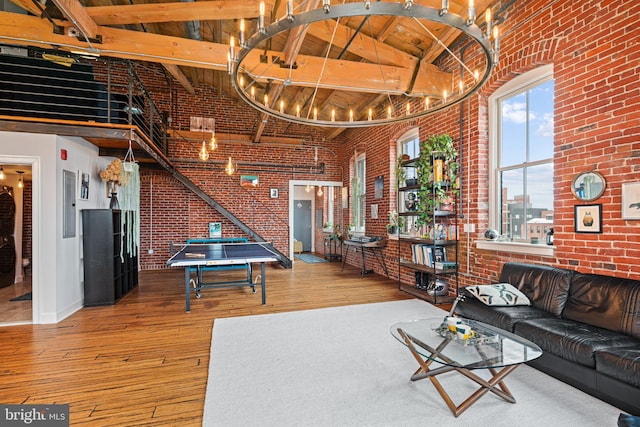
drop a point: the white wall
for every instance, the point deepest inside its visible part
(56, 262)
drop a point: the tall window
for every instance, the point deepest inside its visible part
(521, 116)
(359, 193)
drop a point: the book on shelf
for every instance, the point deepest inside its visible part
(425, 254)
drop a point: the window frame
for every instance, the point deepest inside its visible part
(359, 216)
(531, 78)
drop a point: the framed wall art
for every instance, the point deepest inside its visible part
(84, 179)
(588, 218)
(631, 200)
(215, 230)
(378, 187)
(249, 180)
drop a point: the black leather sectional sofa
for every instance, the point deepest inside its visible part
(587, 325)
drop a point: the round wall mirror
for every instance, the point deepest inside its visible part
(588, 186)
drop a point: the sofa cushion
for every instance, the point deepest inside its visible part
(607, 302)
(621, 363)
(573, 341)
(501, 317)
(547, 287)
(499, 294)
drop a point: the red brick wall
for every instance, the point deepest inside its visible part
(594, 48)
(170, 213)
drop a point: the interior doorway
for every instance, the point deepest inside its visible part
(302, 224)
(299, 192)
(16, 225)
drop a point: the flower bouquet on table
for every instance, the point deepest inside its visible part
(112, 176)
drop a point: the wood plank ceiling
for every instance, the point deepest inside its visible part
(191, 40)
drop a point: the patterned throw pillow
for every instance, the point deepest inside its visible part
(498, 294)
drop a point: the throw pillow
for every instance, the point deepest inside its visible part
(498, 294)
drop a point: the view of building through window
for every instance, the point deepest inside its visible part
(525, 162)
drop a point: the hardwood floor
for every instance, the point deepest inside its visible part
(15, 312)
(144, 361)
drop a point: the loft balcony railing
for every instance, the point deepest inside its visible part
(75, 89)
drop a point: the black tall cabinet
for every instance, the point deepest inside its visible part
(108, 276)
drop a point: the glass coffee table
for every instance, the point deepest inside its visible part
(439, 350)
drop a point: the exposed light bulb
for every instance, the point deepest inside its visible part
(320, 192)
(204, 154)
(2, 175)
(426, 102)
(229, 168)
(350, 115)
(315, 113)
(261, 18)
(471, 13)
(488, 19)
(290, 10)
(241, 35)
(281, 106)
(389, 112)
(212, 143)
(297, 110)
(370, 117)
(333, 115)
(445, 7)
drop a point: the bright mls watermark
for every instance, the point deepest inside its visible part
(34, 415)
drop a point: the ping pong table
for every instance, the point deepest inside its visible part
(204, 256)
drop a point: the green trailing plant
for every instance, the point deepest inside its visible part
(434, 193)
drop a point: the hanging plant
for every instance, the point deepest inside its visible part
(437, 175)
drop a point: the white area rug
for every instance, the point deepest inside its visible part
(341, 367)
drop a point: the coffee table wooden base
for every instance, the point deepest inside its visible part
(495, 384)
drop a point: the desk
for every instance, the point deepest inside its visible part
(331, 248)
(376, 248)
(201, 256)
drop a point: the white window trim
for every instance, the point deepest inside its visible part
(513, 85)
(363, 209)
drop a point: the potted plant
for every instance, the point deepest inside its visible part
(396, 222)
(437, 175)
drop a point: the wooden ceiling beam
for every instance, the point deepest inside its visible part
(388, 29)
(349, 75)
(77, 15)
(338, 74)
(27, 5)
(365, 47)
(180, 77)
(175, 12)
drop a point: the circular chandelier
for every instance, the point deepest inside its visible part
(398, 94)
